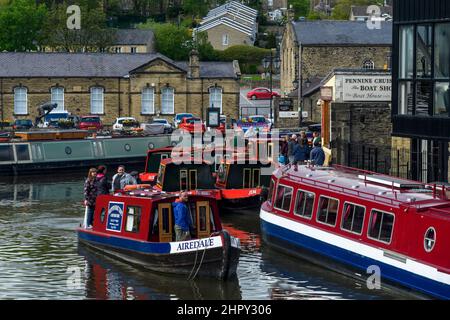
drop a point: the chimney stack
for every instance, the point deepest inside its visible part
(194, 64)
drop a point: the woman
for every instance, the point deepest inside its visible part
(90, 195)
(103, 185)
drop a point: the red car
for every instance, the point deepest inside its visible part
(261, 93)
(190, 124)
(90, 123)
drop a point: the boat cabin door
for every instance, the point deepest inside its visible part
(203, 219)
(165, 222)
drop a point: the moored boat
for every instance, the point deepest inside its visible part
(354, 221)
(137, 227)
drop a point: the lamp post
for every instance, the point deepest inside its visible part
(271, 63)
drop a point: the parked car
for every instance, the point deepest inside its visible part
(129, 122)
(22, 124)
(188, 124)
(93, 123)
(259, 124)
(262, 94)
(179, 117)
(167, 126)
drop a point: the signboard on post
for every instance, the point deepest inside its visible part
(286, 105)
(213, 117)
(326, 93)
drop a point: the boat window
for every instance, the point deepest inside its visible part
(23, 152)
(270, 194)
(192, 179)
(202, 218)
(165, 222)
(256, 177)
(133, 219)
(327, 211)
(154, 229)
(353, 218)
(222, 173)
(203, 223)
(102, 215)
(247, 178)
(183, 180)
(6, 153)
(430, 239)
(305, 204)
(284, 197)
(381, 225)
(211, 218)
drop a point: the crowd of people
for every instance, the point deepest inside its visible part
(296, 150)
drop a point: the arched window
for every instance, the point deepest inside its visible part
(97, 100)
(20, 100)
(215, 98)
(148, 101)
(58, 97)
(167, 100)
(368, 64)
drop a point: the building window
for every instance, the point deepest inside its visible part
(225, 40)
(424, 96)
(442, 51)
(97, 100)
(406, 62)
(215, 98)
(405, 98)
(381, 225)
(148, 101)
(20, 100)
(133, 49)
(305, 203)
(442, 99)
(133, 219)
(283, 198)
(353, 218)
(118, 50)
(58, 97)
(368, 65)
(424, 46)
(167, 101)
(327, 211)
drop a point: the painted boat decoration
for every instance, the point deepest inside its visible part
(353, 221)
(137, 227)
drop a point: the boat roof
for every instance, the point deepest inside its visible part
(156, 195)
(185, 160)
(366, 185)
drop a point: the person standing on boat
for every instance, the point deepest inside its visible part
(103, 185)
(90, 196)
(301, 153)
(122, 179)
(183, 220)
(317, 155)
(291, 144)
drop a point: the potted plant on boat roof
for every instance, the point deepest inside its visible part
(65, 123)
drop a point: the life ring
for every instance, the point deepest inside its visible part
(136, 187)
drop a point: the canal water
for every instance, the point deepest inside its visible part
(40, 257)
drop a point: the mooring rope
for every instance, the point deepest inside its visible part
(201, 261)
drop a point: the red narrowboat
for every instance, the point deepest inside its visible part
(138, 227)
(152, 163)
(356, 222)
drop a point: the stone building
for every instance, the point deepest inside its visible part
(133, 41)
(116, 85)
(230, 24)
(312, 49)
(362, 13)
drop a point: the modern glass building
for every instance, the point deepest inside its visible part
(421, 84)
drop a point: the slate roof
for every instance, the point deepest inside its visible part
(329, 32)
(134, 36)
(33, 64)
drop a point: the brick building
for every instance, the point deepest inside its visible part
(115, 85)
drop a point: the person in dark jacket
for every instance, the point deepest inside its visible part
(291, 144)
(317, 155)
(183, 220)
(103, 186)
(90, 196)
(301, 153)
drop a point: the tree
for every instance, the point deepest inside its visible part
(341, 10)
(301, 7)
(195, 8)
(21, 23)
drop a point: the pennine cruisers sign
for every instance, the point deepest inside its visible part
(366, 88)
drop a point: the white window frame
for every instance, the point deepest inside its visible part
(368, 64)
(21, 100)
(343, 213)
(296, 203)
(337, 212)
(167, 100)
(97, 96)
(370, 222)
(57, 97)
(215, 97)
(290, 203)
(148, 100)
(225, 39)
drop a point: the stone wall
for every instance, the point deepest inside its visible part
(234, 37)
(358, 127)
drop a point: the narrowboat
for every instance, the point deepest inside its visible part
(152, 164)
(72, 149)
(354, 221)
(137, 227)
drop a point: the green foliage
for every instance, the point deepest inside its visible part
(195, 8)
(341, 10)
(249, 57)
(301, 7)
(21, 23)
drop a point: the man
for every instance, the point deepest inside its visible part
(122, 179)
(183, 220)
(316, 136)
(291, 145)
(317, 155)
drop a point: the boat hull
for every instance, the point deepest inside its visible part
(218, 262)
(299, 241)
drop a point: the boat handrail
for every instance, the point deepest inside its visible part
(338, 188)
